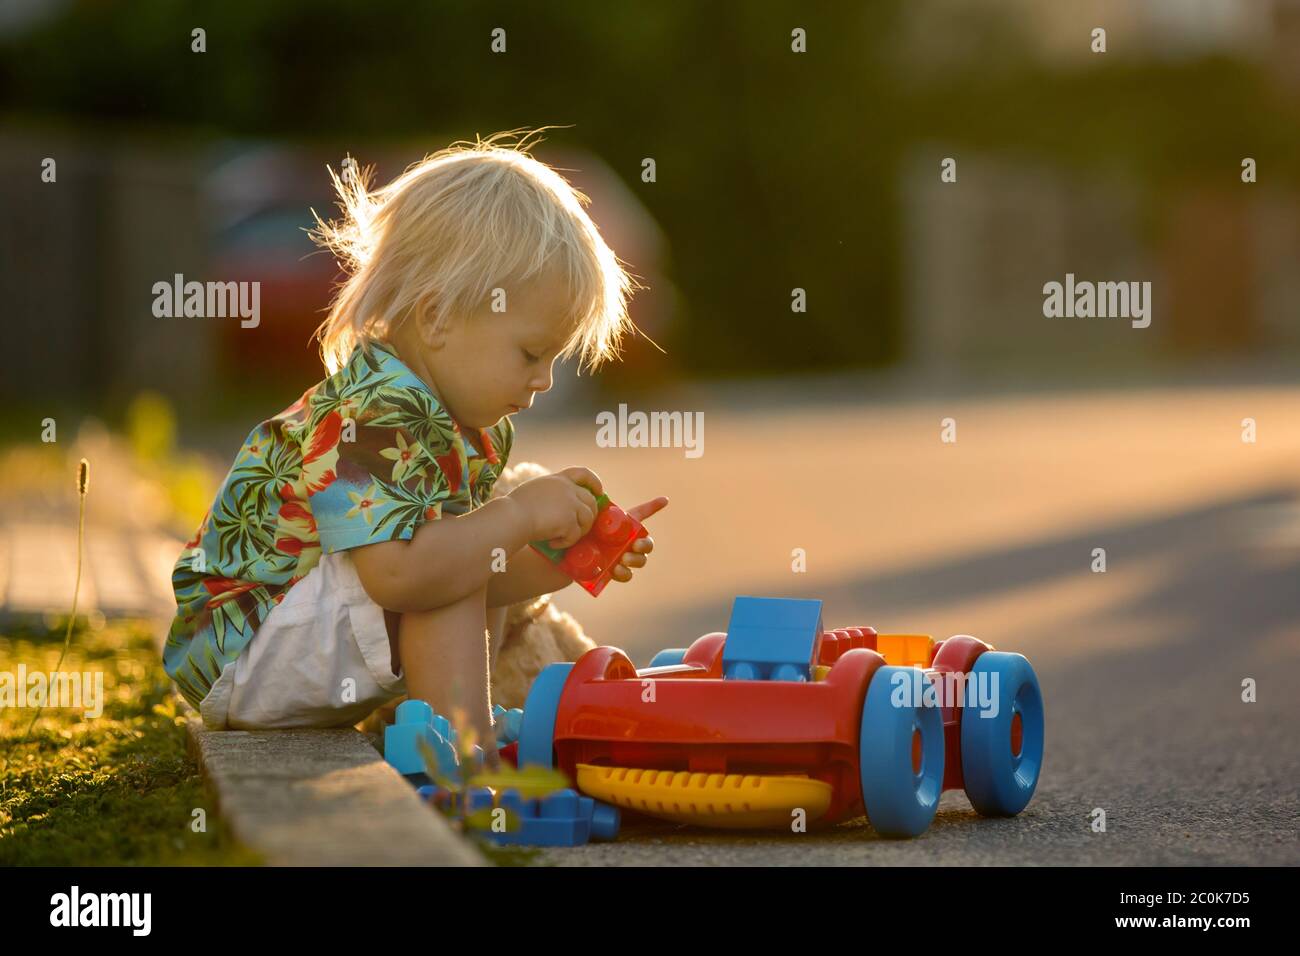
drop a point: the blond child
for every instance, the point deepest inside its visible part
(352, 554)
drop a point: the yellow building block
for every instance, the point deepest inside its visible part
(905, 650)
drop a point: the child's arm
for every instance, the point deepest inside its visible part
(444, 560)
(452, 557)
(527, 575)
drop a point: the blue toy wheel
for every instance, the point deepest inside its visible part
(669, 655)
(537, 728)
(900, 748)
(1000, 779)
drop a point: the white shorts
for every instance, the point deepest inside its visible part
(320, 659)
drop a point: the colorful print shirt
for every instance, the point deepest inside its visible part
(367, 455)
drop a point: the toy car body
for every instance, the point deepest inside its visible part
(777, 720)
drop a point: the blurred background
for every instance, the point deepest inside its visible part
(775, 170)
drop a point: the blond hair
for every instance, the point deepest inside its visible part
(454, 226)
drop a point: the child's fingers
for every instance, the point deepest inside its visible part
(622, 570)
(583, 476)
(647, 508)
(643, 545)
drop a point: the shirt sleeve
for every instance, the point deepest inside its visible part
(379, 479)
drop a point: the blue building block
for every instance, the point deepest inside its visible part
(562, 818)
(668, 657)
(416, 721)
(771, 639)
(508, 723)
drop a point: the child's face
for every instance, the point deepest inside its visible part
(490, 364)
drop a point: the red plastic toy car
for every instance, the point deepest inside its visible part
(778, 720)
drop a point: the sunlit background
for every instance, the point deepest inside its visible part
(774, 171)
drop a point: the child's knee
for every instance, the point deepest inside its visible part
(471, 609)
(473, 605)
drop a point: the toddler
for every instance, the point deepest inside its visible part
(354, 551)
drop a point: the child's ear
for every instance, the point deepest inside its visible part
(426, 317)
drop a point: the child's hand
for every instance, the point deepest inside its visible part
(561, 507)
(635, 558)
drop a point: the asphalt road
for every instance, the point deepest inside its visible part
(1141, 667)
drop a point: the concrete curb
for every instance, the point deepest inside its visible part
(321, 798)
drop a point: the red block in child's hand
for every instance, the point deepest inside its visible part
(591, 559)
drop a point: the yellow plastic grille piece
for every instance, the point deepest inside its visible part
(707, 799)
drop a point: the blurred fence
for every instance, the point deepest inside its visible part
(78, 259)
(1223, 263)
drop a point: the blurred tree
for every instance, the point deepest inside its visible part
(776, 169)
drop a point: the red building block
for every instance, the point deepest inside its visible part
(591, 560)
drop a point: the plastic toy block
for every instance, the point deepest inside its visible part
(438, 796)
(508, 723)
(832, 646)
(591, 560)
(562, 818)
(906, 650)
(668, 657)
(510, 754)
(772, 639)
(836, 642)
(416, 721)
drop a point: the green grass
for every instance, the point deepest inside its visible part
(113, 790)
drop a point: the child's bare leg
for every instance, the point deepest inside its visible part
(496, 617)
(445, 656)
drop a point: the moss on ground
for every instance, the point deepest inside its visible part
(113, 790)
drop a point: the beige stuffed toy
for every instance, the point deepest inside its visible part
(525, 637)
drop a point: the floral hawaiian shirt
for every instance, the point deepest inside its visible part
(365, 456)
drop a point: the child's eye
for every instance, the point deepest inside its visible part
(531, 358)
